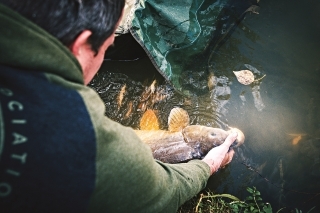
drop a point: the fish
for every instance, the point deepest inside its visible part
(151, 95)
(181, 142)
(121, 95)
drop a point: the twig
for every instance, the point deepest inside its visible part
(197, 206)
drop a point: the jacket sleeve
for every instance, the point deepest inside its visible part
(128, 179)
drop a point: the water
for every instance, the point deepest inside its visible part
(282, 42)
(280, 114)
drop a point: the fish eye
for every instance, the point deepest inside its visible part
(213, 134)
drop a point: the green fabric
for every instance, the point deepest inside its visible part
(180, 36)
(128, 179)
(25, 45)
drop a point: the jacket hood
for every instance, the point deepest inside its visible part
(25, 45)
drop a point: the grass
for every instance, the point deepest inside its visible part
(226, 203)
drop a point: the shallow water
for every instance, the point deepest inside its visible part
(280, 114)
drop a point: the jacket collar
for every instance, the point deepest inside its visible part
(25, 45)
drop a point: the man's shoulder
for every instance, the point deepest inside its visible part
(47, 141)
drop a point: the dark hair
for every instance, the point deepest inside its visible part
(66, 19)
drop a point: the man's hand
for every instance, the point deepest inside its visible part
(219, 156)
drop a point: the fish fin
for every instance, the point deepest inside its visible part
(149, 121)
(178, 119)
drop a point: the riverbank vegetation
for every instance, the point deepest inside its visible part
(225, 203)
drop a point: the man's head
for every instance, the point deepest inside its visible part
(91, 21)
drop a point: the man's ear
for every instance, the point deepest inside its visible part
(80, 46)
(80, 42)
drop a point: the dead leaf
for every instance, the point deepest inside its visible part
(296, 137)
(245, 77)
(296, 140)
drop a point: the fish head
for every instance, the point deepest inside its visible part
(203, 138)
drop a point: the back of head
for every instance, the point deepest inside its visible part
(66, 19)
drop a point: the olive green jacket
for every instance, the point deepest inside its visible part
(63, 154)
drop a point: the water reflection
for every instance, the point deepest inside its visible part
(285, 105)
(126, 99)
(280, 115)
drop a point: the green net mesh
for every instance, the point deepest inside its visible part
(180, 36)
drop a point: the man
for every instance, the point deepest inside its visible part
(58, 152)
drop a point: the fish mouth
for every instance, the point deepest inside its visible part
(240, 138)
(234, 144)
